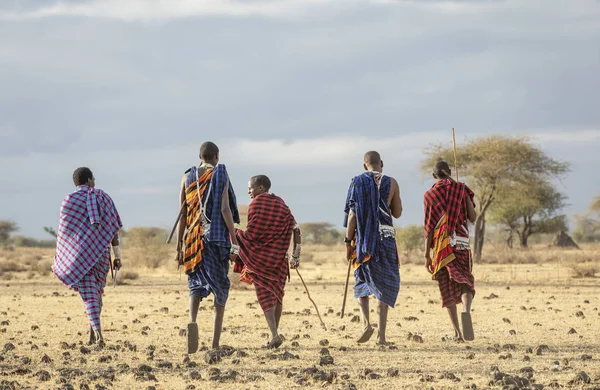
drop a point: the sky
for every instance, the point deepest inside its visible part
(295, 89)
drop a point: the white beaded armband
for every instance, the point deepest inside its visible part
(117, 251)
(235, 249)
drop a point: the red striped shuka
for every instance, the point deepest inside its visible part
(263, 248)
(446, 216)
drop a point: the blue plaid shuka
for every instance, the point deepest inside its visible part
(376, 263)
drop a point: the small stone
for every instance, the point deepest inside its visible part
(195, 375)
(324, 351)
(586, 357)
(580, 379)
(373, 376)
(324, 343)
(325, 360)
(572, 331)
(43, 376)
(9, 347)
(392, 372)
(46, 359)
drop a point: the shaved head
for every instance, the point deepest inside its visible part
(209, 151)
(372, 159)
(441, 170)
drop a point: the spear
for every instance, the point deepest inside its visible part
(455, 158)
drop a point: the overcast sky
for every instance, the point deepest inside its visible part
(295, 89)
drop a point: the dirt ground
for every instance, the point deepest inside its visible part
(533, 323)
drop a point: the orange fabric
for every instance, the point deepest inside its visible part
(193, 238)
(443, 253)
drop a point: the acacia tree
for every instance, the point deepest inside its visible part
(489, 164)
(587, 226)
(529, 208)
(6, 229)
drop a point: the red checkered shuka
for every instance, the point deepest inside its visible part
(264, 245)
(448, 197)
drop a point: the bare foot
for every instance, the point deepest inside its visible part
(366, 335)
(275, 342)
(458, 337)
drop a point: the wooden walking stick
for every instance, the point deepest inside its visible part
(455, 158)
(346, 289)
(313, 302)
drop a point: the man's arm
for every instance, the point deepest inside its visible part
(396, 203)
(297, 247)
(181, 225)
(227, 214)
(428, 245)
(471, 213)
(351, 229)
(350, 235)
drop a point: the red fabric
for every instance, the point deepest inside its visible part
(448, 196)
(454, 276)
(264, 245)
(266, 298)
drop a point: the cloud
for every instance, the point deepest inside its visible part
(569, 136)
(156, 10)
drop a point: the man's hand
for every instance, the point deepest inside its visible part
(233, 257)
(349, 252)
(294, 262)
(428, 263)
(179, 257)
(117, 264)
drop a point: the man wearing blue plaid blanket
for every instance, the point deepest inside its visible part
(373, 199)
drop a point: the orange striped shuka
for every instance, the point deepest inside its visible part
(195, 221)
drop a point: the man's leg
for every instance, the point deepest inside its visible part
(192, 329)
(278, 311)
(90, 295)
(194, 307)
(383, 314)
(92, 336)
(467, 298)
(454, 319)
(272, 322)
(467, 324)
(363, 302)
(218, 325)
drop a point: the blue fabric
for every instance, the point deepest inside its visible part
(364, 200)
(380, 275)
(218, 229)
(211, 276)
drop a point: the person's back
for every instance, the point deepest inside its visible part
(204, 246)
(449, 205)
(372, 202)
(89, 223)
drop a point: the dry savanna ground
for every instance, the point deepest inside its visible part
(537, 325)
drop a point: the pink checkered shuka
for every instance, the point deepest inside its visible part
(88, 222)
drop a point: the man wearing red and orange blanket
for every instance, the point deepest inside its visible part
(449, 206)
(263, 259)
(206, 239)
